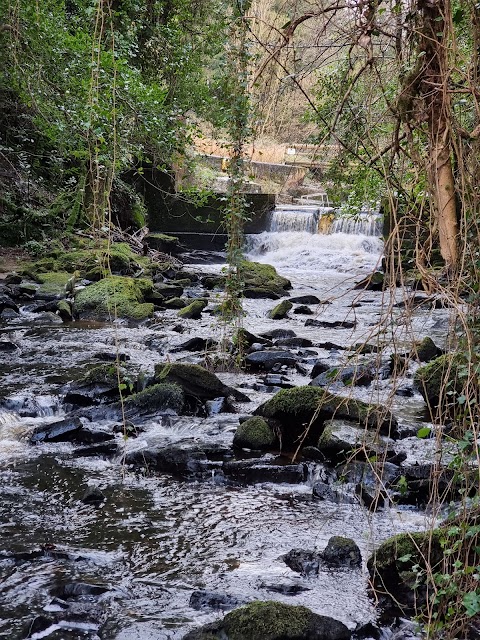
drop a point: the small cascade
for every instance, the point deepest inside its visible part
(366, 224)
(297, 218)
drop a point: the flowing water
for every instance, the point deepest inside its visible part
(156, 539)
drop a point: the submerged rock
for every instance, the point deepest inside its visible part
(272, 621)
(174, 459)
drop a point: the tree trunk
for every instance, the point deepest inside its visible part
(435, 80)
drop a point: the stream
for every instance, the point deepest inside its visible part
(154, 540)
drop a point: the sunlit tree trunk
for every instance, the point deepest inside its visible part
(435, 80)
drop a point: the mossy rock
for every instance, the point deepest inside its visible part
(114, 297)
(163, 242)
(399, 566)
(64, 310)
(158, 397)
(196, 381)
(280, 311)
(426, 350)
(175, 303)
(263, 276)
(293, 410)
(193, 311)
(254, 433)
(272, 621)
(437, 378)
(53, 283)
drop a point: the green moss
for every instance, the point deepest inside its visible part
(267, 621)
(264, 276)
(53, 283)
(406, 550)
(115, 296)
(104, 374)
(195, 380)
(437, 377)
(157, 398)
(280, 311)
(175, 303)
(64, 310)
(193, 310)
(307, 402)
(426, 350)
(254, 433)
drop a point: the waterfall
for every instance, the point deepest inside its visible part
(298, 218)
(323, 220)
(367, 224)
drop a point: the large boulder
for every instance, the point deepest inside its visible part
(196, 381)
(114, 297)
(295, 410)
(272, 621)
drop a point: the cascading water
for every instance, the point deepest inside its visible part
(313, 238)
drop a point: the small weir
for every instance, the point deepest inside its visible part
(323, 220)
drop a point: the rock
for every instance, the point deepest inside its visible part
(303, 310)
(359, 375)
(174, 459)
(93, 436)
(295, 409)
(52, 285)
(260, 292)
(263, 276)
(210, 600)
(277, 380)
(7, 303)
(76, 589)
(308, 299)
(342, 552)
(248, 339)
(391, 569)
(100, 385)
(302, 561)
(100, 450)
(285, 589)
(341, 439)
(268, 359)
(12, 278)
(58, 431)
(319, 367)
(272, 621)
(330, 346)
(163, 242)
(94, 496)
(331, 324)
(175, 303)
(363, 348)
(195, 344)
(373, 282)
(114, 296)
(432, 379)
(168, 291)
(196, 381)
(280, 311)
(111, 357)
(156, 399)
(64, 310)
(405, 392)
(426, 350)
(260, 470)
(293, 342)
(254, 433)
(6, 346)
(194, 310)
(274, 334)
